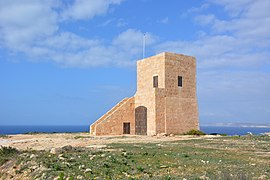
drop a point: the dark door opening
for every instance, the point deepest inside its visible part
(141, 120)
(126, 128)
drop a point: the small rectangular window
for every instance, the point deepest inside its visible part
(179, 81)
(155, 81)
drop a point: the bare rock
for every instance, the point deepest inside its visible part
(102, 155)
(88, 170)
(162, 135)
(267, 133)
(81, 167)
(53, 151)
(67, 148)
(79, 177)
(262, 177)
(62, 158)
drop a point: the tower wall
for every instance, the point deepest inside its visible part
(146, 94)
(166, 107)
(181, 114)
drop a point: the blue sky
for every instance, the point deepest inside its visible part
(68, 62)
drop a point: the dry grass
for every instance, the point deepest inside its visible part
(245, 157)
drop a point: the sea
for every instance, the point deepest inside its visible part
(8, 130)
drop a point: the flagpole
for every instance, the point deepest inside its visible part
(144, 35)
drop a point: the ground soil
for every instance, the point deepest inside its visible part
(81, 156)
(57, 140)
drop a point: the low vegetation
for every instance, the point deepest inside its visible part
(83, 137)
(231, 157)
(37, 132)
(4, 136)
(195, 132)
(7, 153)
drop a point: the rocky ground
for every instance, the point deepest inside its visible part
(45, 141)
(80, 156)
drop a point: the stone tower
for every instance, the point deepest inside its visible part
(165, 101)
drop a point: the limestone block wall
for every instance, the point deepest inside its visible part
(113, 124)
(181, 115)
(145, 95)
(181, 102)
(170, 109)
(160, 106)
(107, 114)
(180, 65)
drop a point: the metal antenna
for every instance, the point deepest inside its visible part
(144, 35)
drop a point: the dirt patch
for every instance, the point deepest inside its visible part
(57, 140)
(80, 156)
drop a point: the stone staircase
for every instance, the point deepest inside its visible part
(105, 116)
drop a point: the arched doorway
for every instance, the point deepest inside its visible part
(141, 120)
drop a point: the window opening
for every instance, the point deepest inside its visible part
(180, 81)
(155, 81)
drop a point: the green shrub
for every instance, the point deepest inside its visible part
(215, 134)
(6, 153)
(61, 176)
(195, 132)
(34, 132)
(140, 168)
(83, 137)
(57, 167)
(4, 136)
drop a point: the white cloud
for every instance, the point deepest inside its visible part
(121, 23)
(22, 22)
(31, 27)
(204, 6)
(85, 9)
(230, 57)
(106, 23)
(25, 22)
(131, 40)
(253, 23)
(68, 42)
(205, 19)
(70, 50)
(218, 51)
(234, 8)
(241, 41)
(164, 20)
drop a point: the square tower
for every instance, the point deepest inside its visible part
(166, 101)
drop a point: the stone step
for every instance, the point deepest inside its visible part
(110, 111)
(115, 110)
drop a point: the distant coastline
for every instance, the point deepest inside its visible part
(24, 129)
(244, 125)
(229, 129)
